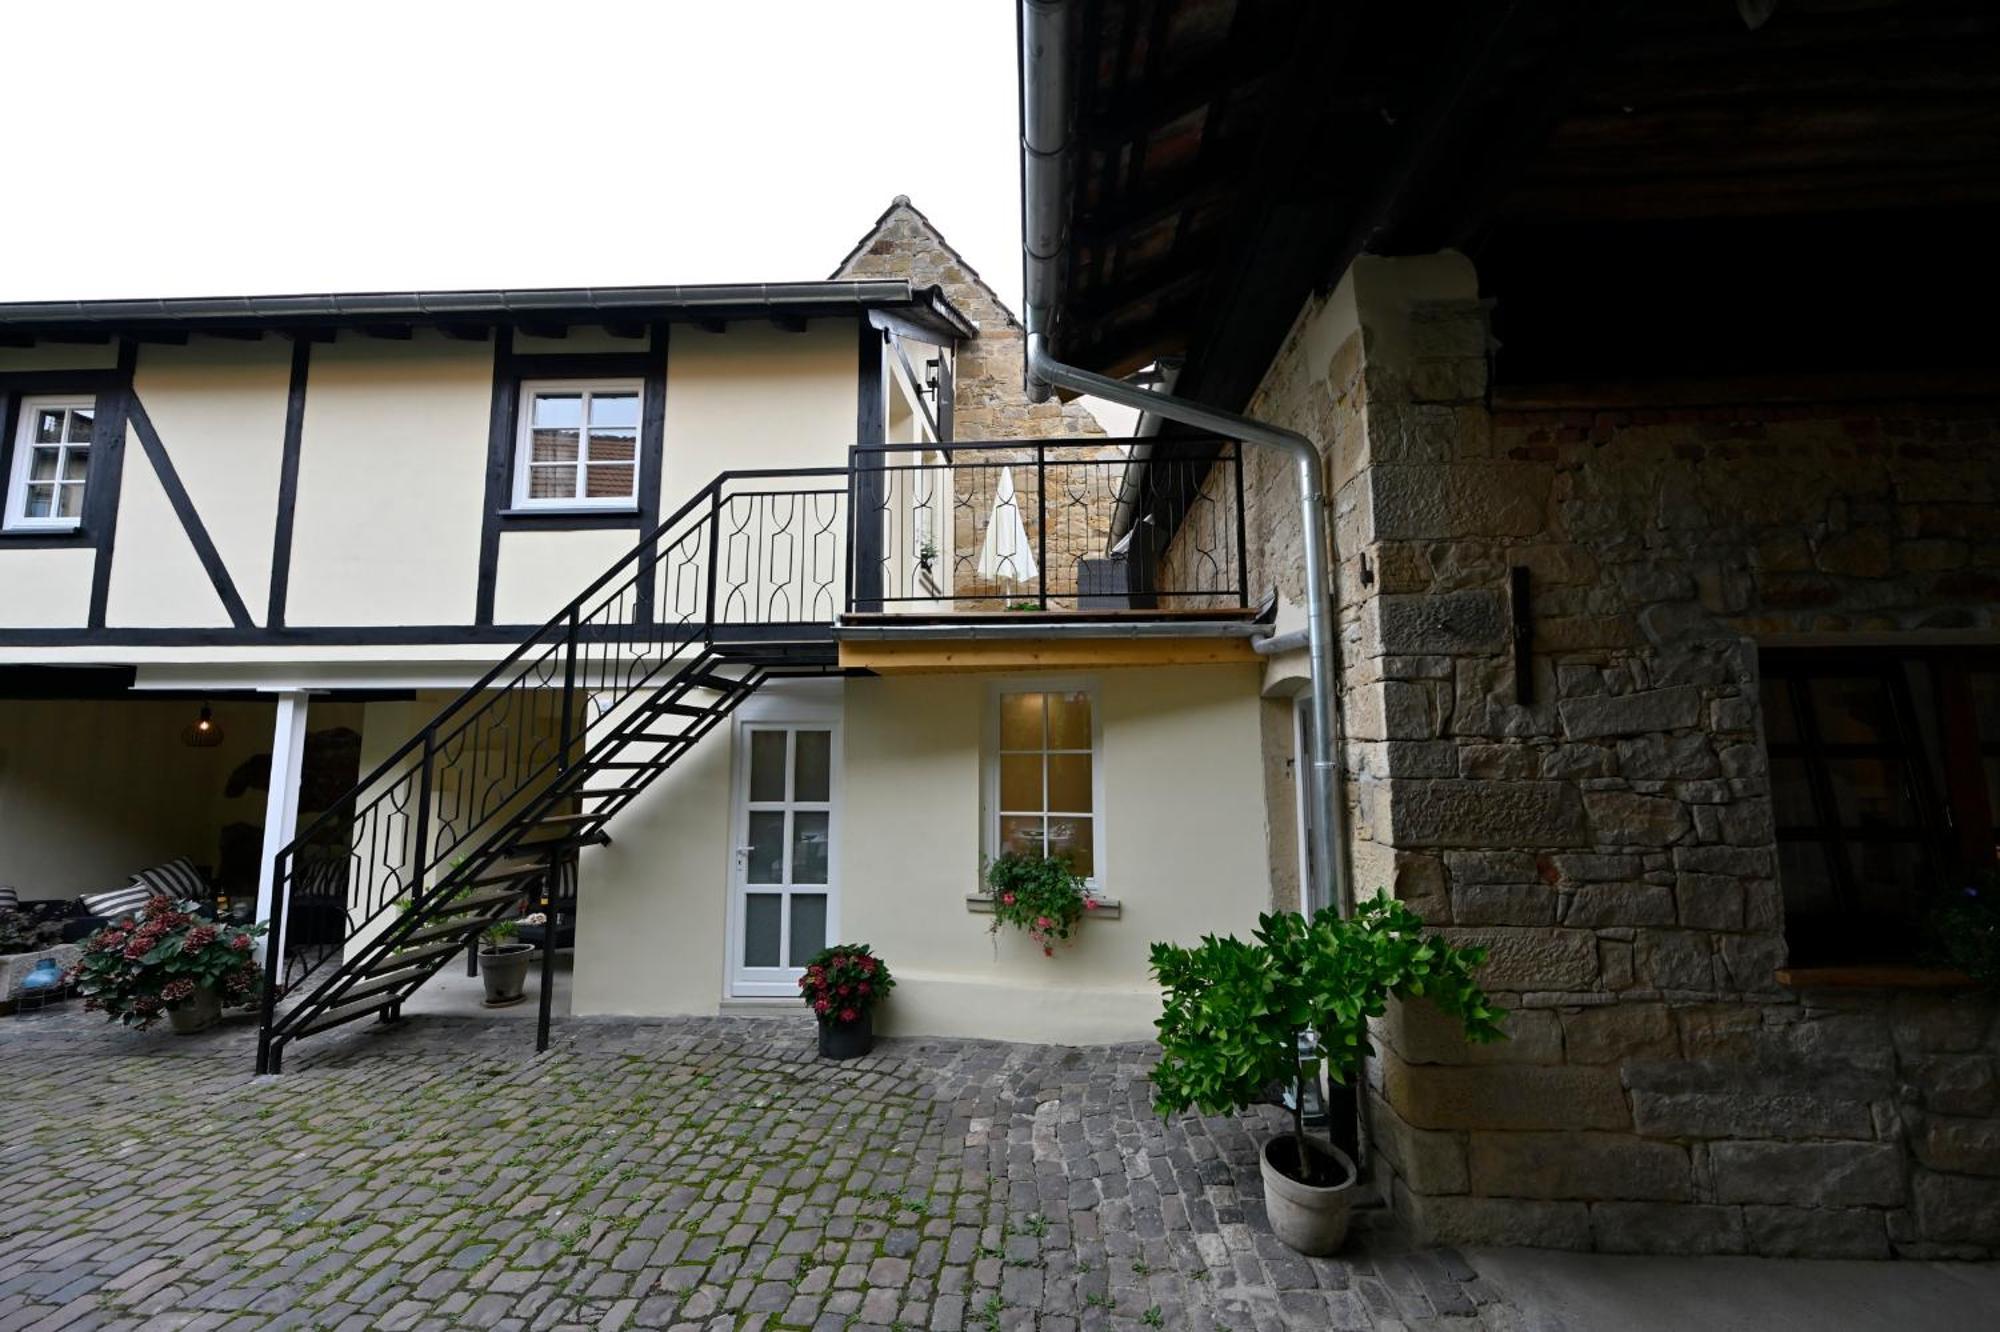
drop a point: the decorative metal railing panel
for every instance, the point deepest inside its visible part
(1061, 525)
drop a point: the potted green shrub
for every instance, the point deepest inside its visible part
(168, 961)
(1044, 896)
(1964, 925)
(842, 985)
(504, 960)
(1289, 1008)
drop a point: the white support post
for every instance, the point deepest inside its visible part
(281, 803)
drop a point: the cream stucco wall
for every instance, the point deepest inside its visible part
(540, 572)
(392, 476)
(156, 577)
(1182, 834)
(220, 409)
(48, 588)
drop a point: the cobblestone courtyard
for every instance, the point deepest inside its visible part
(679, 1174)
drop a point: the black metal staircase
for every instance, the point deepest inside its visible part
(486, 804)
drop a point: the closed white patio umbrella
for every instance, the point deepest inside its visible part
(1006, 552)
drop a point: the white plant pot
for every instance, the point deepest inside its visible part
(1307, 1218)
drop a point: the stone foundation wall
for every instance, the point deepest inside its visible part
(1611, 843)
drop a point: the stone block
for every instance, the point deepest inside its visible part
(1587, 1166)
(1533, 959)
(1667, 758)
(1492, 867)
(1597, 905)
(1485, 814)
(1423, 1033)
(1630, 714)
(1817, 1232)
(1503, 904)
(1957, 1209)
(1506, 1096)
(1809, 1174)
(1430, 1163)
(1508, 1221)
(1957, 1084)
(1626, 818)
(1941, 1023)
(1651, 1227)
(1674, 960)
(1584, 868)
(1419, 501)
(1960, 1146)
(1580, 760)
(1514, 762)
(1469, 622)
(1781, 1115)
(1709, 901)
(1615, 1033)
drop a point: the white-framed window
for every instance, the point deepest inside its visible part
(51, 464)
(578, 444)
(1045, 792)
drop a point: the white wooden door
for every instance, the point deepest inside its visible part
(782, 896)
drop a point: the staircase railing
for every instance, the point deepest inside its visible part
(753, 554)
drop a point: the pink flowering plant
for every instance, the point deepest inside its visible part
(137, 967)
(1045, 897)
(844, 981)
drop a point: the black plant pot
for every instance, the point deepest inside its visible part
(847, 1040)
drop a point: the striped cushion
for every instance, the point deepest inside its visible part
(178, 879)
(9, 899)
(118, 902)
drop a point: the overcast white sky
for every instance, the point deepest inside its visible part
(200, 148)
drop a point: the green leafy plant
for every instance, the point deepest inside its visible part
(1045, 897)
(1964, 926)
(1235, 1013)
(845, 981)
(137, 967)
(1024, 605)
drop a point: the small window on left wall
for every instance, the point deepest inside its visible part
(579, 445)
(51, 464)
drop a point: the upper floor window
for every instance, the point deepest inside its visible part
(579, 445)
(51, 462)
(1045, 792)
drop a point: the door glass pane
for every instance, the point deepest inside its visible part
(766, 861)
(1020, 721)
(1020, 781)
(808, 927)
(809, 846)
(1069, 783)
(763, 921)
(1069, 721)
(767, 765)
(1072, 837)
(812, 774)
(1791, 794)
(1852, 710)
(1869, 793)
(1021, 836)
(1780, 725)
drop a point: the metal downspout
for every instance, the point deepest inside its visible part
(1045, 75)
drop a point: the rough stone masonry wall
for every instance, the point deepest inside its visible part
(1612, 844)
(990, 403)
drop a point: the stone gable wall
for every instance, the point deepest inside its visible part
(990, 403)
(1612, 844)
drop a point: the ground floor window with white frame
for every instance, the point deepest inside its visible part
(1044, 787)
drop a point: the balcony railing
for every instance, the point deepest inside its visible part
(1072, 525)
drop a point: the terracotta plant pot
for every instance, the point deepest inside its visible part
(198, 1012)
(504, 971)
(847, 1040)
(1308, 1218)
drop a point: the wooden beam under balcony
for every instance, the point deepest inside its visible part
(941, 656)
